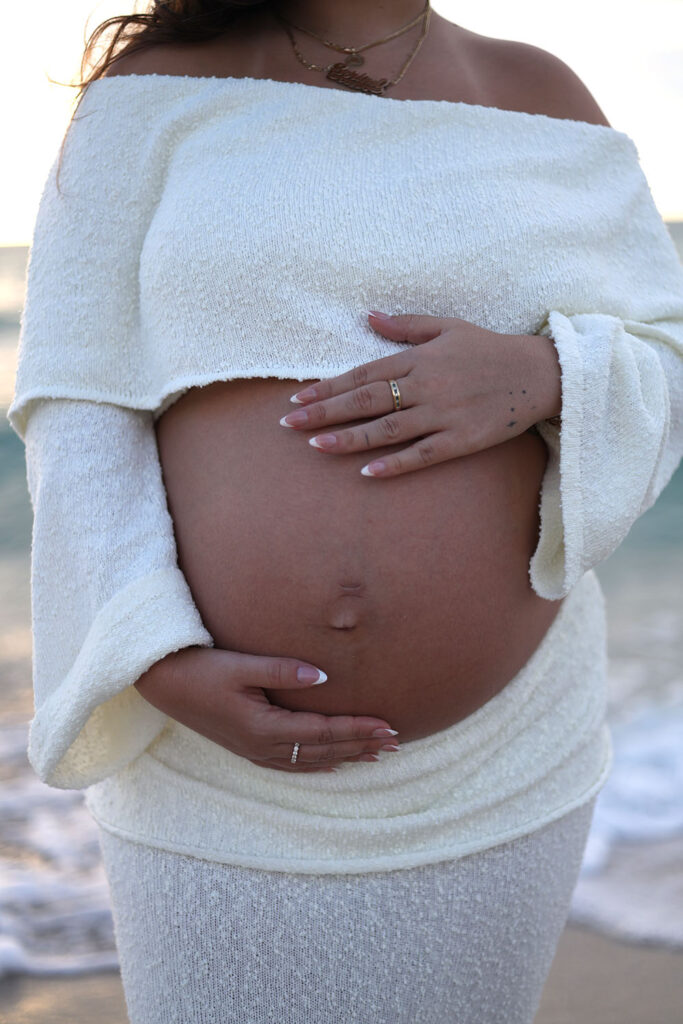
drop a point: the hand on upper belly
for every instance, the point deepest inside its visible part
(460, 390)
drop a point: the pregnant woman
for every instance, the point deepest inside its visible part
(341, 367)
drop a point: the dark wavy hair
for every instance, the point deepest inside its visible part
(164, 21)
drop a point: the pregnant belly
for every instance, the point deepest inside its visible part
(411, 593)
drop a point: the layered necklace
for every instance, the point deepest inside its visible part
(343, 71)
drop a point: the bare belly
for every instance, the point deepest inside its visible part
(411, 593)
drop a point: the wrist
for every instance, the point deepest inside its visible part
(547, 378)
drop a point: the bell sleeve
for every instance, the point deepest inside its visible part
(620, 349)
(107, 596)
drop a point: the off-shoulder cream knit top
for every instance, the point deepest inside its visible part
(213, 228)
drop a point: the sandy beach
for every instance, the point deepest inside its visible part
(593, 980)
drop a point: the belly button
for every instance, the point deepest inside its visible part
(344, 614)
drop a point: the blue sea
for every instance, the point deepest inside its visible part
(55, 913)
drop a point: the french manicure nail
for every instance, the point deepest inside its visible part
(323, 441)
(373, 468)
(308, 674)
(292, 419)
(303, 396)
(385, 732)
(390, 746)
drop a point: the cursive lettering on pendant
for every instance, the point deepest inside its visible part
(343, 74)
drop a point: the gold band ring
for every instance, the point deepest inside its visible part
(395, 394)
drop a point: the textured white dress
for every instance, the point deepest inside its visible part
(205, 229)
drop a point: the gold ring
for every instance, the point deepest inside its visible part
(395, 394)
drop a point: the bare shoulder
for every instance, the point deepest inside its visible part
(539, 81)
(554, 85)
(159, 59)
(550, 86)
(171, 59)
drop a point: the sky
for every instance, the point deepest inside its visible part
(629, 53)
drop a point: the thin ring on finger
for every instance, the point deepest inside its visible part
(395, 394)
(363, 402)
(397, 398)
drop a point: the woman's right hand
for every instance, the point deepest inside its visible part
(220, 695)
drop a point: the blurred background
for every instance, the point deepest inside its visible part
(57, 954)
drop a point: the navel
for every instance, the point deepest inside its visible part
(345, 609)
(344, 615)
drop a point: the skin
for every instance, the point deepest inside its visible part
(411, 593)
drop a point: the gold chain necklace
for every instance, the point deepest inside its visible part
(342, 71)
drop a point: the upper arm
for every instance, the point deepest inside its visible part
(549, 86)
(82, 282)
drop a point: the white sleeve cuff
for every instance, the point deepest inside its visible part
(96, 721)
(619, 442)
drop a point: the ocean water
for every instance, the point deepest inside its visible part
(55, 913)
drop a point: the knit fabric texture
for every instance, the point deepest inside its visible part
(214, 228)
(468, 940)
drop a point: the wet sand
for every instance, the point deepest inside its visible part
(593, 979)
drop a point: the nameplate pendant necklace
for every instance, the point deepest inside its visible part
(343, 71)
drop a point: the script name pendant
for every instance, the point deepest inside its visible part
(343, 74)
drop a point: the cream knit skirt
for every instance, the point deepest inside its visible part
(462, 941)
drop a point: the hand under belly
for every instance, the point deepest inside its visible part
(412, 593)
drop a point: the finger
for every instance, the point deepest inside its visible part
(369, 400)
(391, 429)
(312, 753)
(428, 451)
(376, 370)
(283, 767)
(416, 328)
(285, 762)
(362, 757)
(309, 727)
(277, 673)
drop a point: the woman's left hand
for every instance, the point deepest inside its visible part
(463, 388)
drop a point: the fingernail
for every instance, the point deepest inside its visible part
(303, 396)
(294, 419)
(373, 468)
(323, 441)
(308, 674)
(390, 746)
(385, 732)
(380, 316)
